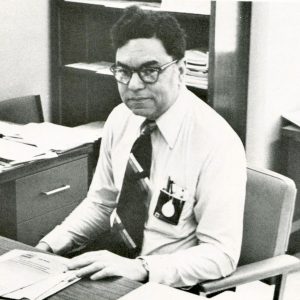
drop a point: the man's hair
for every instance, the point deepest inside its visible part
(138, 23)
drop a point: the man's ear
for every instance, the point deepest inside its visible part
(181, 67)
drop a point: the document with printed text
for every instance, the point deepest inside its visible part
(33, 275)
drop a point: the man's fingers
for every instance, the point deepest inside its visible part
(77, 262)
(105, 272)
(90, 269)
(83, 260)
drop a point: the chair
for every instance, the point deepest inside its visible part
(269, 207)
(22, 110)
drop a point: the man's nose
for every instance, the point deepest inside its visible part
(136, 82)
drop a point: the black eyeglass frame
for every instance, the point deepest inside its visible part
(157, 69)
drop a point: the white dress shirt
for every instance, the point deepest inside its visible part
(199, 151)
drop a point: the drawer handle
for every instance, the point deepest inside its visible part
(58, 190)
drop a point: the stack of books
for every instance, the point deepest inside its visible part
(197, 68)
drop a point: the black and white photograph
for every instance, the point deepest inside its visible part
(150, 150)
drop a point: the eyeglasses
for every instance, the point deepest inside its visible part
(146, 74)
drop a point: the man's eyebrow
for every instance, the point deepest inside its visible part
(145, 64)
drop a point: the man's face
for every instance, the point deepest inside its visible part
(150, 100)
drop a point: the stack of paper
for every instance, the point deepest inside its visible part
(196, 68)
(8, 128)
(36, 141)
(13, 153)
(33, 275)
(53, 137)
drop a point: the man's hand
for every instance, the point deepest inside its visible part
(102, 264)
(44, 246)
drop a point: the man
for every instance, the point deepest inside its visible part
(196, 186)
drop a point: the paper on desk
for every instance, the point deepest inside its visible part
(8, 128)
(14, 151)
(22, 268)
(152, 290)
(45, 288)
(49, 136)
(93, 130)
(33, 275)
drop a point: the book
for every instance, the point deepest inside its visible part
(197, 57)
(197, 82)
(196, 73)
(33, 275)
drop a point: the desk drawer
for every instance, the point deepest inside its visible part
(30, 232)
(49, 190)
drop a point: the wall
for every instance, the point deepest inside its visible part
(24, 50)
(274, 78)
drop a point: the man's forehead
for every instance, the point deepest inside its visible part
(137, 52)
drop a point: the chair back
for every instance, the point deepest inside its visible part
(22, 110)
(269, 208)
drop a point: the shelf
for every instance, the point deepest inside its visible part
(80, 32)
(144, 5)
(118, 4)
(102, 67)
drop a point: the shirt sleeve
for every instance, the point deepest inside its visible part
(218, 211)
(91, 216)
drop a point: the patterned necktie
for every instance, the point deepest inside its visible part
(132, 204)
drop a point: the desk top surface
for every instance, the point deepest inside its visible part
(110, 289)
(40, 165)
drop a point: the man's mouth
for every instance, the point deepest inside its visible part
(136, 99)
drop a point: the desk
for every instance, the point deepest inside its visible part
(110, 289)
(37, 196)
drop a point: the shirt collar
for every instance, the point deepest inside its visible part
(170, 122)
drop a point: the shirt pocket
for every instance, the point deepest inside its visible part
(185, 225)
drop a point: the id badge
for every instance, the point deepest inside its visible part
(170, 204)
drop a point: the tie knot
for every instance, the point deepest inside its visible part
(148, 127)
